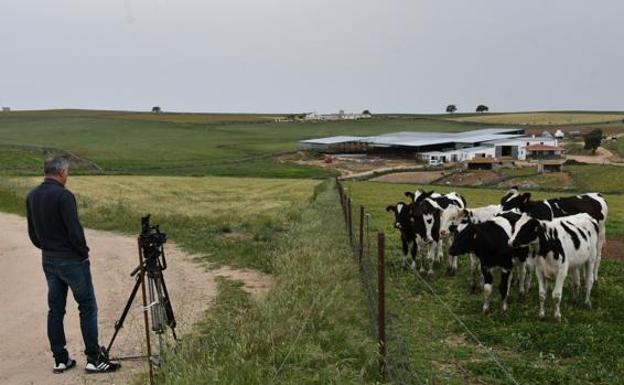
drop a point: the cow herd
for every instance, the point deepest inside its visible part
(553, 238)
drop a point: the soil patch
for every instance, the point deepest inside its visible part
(614, 249)
(417, 177)
(471, 178)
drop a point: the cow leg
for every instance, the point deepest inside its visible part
(505, 283)
(487, 288)
(414, 252)
(522, 277)
(575, 274)
(431, 257)
(602, 239)
(542, 290)
(589, 280)
(405, 249)
(557, 291)
(530, 267)
(475, 274)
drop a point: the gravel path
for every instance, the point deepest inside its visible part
(24, 351)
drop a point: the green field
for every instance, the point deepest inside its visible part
(585, 348)
(164, 144)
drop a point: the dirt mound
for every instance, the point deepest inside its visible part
(614, 249)
(417, 177)
(471, 178)
(24, 352)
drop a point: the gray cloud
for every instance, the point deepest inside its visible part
(289, 55)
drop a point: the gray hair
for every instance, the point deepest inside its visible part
(55, 164)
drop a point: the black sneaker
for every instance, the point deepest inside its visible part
(60, 367)
(101, 363)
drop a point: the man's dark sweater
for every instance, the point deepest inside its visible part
(53, 224)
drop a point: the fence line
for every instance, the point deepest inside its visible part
(373, 277)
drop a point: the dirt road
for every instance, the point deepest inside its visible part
(24, 351)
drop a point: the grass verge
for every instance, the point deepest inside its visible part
(311, 329)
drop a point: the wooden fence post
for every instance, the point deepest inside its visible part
(361, 250)
(381, 302)
(350, 223)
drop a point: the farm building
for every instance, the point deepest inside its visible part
(483, 164)
(550, 165)
(543, 151)
(334, 144)
(437, 147)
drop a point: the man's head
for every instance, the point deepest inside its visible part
(56, 167)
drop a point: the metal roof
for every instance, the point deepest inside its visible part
(420, 138)
(333, 140)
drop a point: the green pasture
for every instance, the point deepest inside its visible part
(174, 144)
(377, 196)
(586, 348)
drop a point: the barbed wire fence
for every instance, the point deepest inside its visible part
(369, 252)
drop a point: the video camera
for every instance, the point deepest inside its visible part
(151, 241)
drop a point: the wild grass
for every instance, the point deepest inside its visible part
(227, 220)
(603, 178)
(586, 348)
(312, 328)
(542, 118)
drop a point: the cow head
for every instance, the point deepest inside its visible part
(451, 218)
(403, 222)
(464, 239)
(514, 200)
(427, 220)
(418, 195)
(526, 231)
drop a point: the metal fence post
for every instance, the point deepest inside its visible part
(361, 250)
(350, 223)
(381, 302)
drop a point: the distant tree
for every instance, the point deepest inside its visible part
(366, 112)
(482, 108)
(156, 109)
(451, 108)
(593, 140)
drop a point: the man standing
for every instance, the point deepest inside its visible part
(54, 227)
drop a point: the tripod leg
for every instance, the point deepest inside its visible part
(145, 319)
(124, 314)
(171, 321)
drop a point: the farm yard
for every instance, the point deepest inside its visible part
(229, 190)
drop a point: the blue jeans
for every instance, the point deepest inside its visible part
(61, 274)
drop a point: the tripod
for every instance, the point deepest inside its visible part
(152, 262)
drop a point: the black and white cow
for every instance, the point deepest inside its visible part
(428, 210)
(455, 219)
(593, 204)
(489, 241)
(562, 245)
(406, 225)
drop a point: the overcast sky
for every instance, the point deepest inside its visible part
(312, 55)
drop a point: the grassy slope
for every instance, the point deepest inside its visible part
(310, 329)
(158, 144)
(586, 348)
(223, 219)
